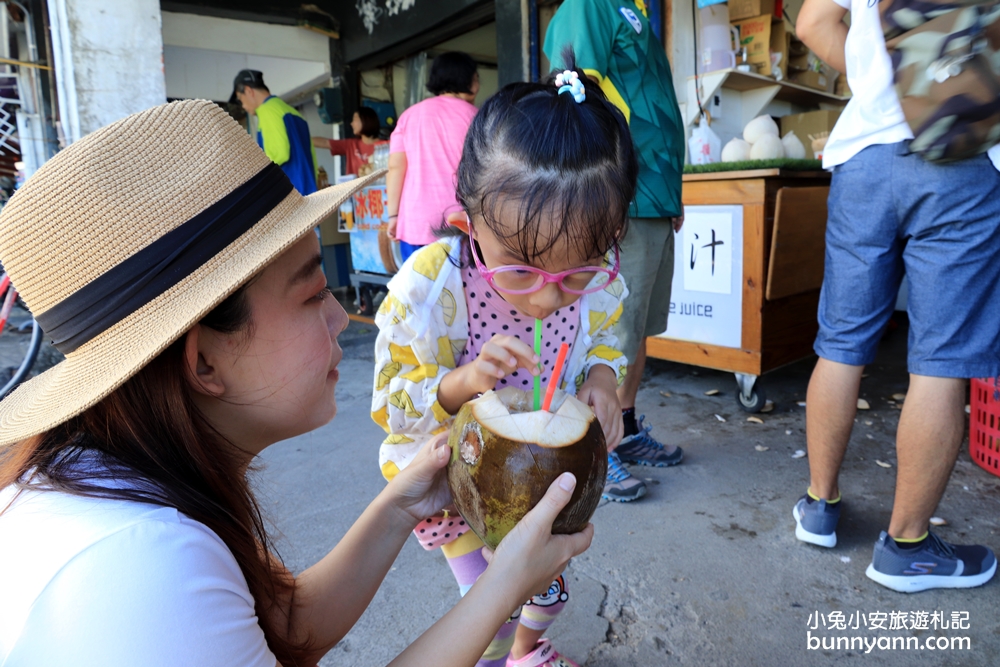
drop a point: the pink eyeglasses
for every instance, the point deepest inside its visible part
(517, 279)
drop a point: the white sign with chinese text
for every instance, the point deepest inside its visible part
(706, 301)
(707, 240)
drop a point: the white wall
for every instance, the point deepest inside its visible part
(682, 56)
(202, 54)
(110, 60)
(261, 39)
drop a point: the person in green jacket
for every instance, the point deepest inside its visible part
(281, 130)
(613, 43)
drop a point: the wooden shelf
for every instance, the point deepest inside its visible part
(757, 92)
(753, 173)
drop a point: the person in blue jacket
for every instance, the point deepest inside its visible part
(281, 130)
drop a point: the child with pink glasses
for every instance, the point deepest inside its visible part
(546, 178)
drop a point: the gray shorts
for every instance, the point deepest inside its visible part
(647, 265)
(891, 213)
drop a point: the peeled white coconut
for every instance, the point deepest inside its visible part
(793, 147)
(508, 413)
(768, 147)
(736, 150)
(759, 127)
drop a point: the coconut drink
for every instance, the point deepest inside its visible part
(504, 457)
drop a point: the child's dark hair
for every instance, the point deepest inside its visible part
(452, 72)
(550, 157)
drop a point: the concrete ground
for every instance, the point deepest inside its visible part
(705, 570)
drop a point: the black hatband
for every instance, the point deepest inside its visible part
(130, 285)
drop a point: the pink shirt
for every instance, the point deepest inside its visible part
(431, 133)
(490, 314)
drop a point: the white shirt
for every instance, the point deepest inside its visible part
(873, 116)
(93, 582)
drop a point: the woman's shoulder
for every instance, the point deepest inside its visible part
(131, 569)
(52, 529)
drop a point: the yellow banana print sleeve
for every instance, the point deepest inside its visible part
(605, 309)
(423, 326)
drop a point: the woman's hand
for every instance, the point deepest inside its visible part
(390, 230)
(530, 556)
(600, 393)
(421, 489)
(500, 356)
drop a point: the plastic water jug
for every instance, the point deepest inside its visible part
(717, 39)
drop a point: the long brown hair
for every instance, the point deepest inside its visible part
(150, 433)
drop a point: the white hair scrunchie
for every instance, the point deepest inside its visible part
(569, 82)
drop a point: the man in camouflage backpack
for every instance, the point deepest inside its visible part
(915, 191)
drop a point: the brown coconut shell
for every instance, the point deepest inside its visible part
(504, 458)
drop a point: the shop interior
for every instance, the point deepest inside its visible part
(389, 88)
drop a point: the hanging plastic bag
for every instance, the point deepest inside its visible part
(704, 146)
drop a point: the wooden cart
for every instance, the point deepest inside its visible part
(783, 242)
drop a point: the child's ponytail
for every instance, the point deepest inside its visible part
(533, 153)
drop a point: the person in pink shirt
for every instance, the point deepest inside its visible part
(424, 152)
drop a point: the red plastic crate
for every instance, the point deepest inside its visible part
(984, 425)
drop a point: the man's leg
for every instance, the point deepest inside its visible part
(910, 558)
(928, 439)
(952, 259)
(630, 387)
(647, 246)
(861, 279)
(831, 403)
(648, 268)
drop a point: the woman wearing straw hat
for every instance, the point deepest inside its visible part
(171, 262)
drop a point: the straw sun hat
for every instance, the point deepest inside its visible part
(124, 240)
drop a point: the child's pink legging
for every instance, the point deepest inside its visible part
(467, 563)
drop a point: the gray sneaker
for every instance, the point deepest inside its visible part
(816, 522)
(645, 450)
(934, 564)
(621, 486)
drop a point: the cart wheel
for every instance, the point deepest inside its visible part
(366, 300)
(755, 401)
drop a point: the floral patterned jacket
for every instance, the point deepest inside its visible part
(423, 327)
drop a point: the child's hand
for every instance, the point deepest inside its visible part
(600, 393)
(421, 489)
(530, 557)
(500, 356)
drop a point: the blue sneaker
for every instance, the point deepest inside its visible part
(620, 485)
(816, 522)
(642, 448)
(934, 564)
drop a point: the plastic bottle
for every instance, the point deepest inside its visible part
(717, 39)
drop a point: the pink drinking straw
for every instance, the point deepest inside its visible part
(556, 372)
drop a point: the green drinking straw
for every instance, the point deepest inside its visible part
(538, 352)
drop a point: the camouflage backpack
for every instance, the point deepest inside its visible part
(946, 58)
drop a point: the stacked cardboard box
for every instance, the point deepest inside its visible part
(772, 48)
(808, 70)
(809, 124)
(755, 37)
(744, 9)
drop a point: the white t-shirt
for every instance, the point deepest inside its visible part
(873, 116)
(108, 583)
